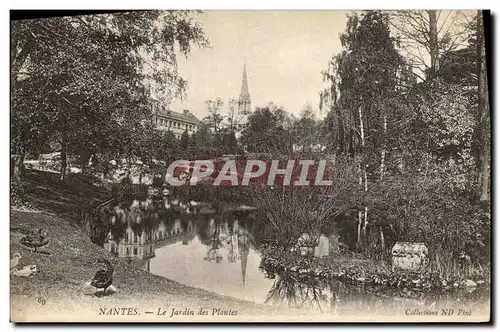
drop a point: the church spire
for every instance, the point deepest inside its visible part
(244, 102)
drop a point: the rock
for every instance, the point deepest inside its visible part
(455, 284)
(470, 283)
(409, 255)
(323, 248)
(362, 279)
(480, 282)
(334, 243)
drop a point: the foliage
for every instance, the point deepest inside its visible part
(184, 141)
(292, 211)
(79, 80)
(428, 37)
(364, 81)
(266, 131)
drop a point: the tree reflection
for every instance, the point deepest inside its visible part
(289, 290)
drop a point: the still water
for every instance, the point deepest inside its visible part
(230, 267)
(220, 253)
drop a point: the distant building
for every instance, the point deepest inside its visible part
(177, 123)
(141, 246)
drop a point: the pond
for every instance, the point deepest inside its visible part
(220, 252)
(226, 264)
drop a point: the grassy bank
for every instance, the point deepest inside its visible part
(58, 290)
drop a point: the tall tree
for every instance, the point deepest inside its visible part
(184, 140)
(305, 133)
(428, 36)
(266, 131)
(214, 119)
(483, 105)
(83, 77)
(366, 82)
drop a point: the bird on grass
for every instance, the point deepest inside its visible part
(104, 277)
(14, 261)
(35, 240)
(25, 271)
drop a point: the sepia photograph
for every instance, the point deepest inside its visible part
(250, 166)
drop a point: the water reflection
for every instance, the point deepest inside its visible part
(203, 247)
(192, 243)
(335, 297)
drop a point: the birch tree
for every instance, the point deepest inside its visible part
(365, 82)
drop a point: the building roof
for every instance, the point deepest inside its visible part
(181, 116)
(189, 117)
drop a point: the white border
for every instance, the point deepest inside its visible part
(192, 4)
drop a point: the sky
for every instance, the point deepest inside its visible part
(284, 52)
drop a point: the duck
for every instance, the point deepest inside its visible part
(35, 240)
(103, 278)
(25, 271)
(14, 261)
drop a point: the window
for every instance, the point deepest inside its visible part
(136, 239)
(126, 237)
(135, 251)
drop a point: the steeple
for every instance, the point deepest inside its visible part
(244, 102)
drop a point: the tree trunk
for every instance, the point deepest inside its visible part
(382, 239)
(363, 167)
(19, 58)
(382, 161)
(62, 175)
(18, 164)
(483, 108)
(360, 221)
(85, 164)
(433, 42)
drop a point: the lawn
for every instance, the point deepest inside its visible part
(59, 290)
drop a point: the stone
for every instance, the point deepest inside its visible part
(334, 243)
(323, 247)
(409, 256)
(303, 245)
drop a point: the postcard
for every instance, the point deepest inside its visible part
(250, 166)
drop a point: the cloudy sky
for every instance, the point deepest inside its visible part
(285, 52)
